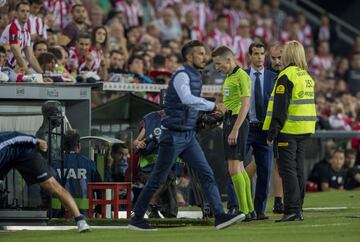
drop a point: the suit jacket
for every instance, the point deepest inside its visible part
(269, 82)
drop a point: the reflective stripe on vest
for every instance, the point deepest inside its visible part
(299, 101)
(301, 111)
(297, 118)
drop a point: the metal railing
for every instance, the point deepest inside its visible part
(342, 28)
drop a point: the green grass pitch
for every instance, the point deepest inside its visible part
(329, 225)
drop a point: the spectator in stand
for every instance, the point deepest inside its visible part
(305, 30)
(355, 142)
(324, 164)
(78, 25)
(40, 47)
(174, 62)
(10, 73)
(324, 57)
(352, 181)
(117, 38)
(278, 15)
(60, 60)
(342, 68)
(189, 28)
(333, 178)
(99, 42)
(237, 12)
(313, 63)
(220, 35)
(326, 31)
(52, 38)
(136, 70)
(353, 76)
(35, 22)
(170, 28)
(18, 37)
(356, 46)
(61, 12)
(132, 13)
(338, 119)
(47, 62)
(80, 58)
(242, 42)
(285, 31)
(117, 62)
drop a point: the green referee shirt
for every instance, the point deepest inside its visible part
(236, 85)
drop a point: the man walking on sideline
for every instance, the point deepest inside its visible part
(182, 104)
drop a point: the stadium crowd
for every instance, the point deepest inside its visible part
(139, 41)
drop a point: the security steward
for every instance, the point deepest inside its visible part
(290, 119)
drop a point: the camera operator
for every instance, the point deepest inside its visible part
(147, 145)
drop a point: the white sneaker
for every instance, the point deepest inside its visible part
(83, 226)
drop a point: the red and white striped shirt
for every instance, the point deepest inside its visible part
(14, 34)
(61, 10)
(37, 26)
(132, 12)
(218, 38)
(306, 35)
(78, 62)
(325, 62)
(241, 48)
(235, 16)
(96, 57)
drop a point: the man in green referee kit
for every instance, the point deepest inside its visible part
(236, 98)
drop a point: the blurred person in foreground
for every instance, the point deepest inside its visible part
(22, 152)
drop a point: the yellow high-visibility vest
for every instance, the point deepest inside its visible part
(301, 118)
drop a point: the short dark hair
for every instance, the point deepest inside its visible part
(133, 57)
(339, 150)
(75, 6)
(159, 61)
(177, 56)
(186, 49)
(116, 147)
(56, 52)
(221, 51)
(39, 2)
(83, 35)
(256, 45)
(17, 6)
(71, 140)
(45, 58)
(350, 152)
(36, 43)
(221, 16)
(115, 52)
(2, 49)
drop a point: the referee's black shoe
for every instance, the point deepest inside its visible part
(291, 217)
(278, 208)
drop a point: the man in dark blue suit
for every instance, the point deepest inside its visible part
(263, 82)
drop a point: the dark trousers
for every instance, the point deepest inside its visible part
(183, 144)
(290, 163)
(263, 154)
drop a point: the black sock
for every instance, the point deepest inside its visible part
(278, 200)
(78, 218)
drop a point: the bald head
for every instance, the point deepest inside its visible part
(275, 57)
